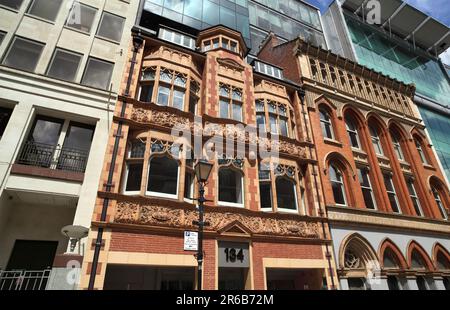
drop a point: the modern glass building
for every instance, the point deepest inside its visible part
(254, 19)
(405, 46)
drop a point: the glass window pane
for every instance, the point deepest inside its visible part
(13, 4)
(286, 194)
(224, 109)
(46, 130)
(273, 124)
(81, 17)
(189, 186)
(265, 191)
(79, 136)
(47, 9)
(163, 95)
(5, 115)
(261, 122)
(237, 112)
(192, 9)
(98, 73)
(134, 177)
(283, 127)
(210, 12)
(230, 186)
(193, 101)
(23, 54)
(111, 27)
(146, 93)
(64, 65)
(338, 193)
(163, 176)
(227, 17)
(178, 99)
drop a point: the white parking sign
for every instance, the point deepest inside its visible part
(190, 241)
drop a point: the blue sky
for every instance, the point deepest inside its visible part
(439, 9)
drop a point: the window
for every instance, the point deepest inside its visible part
(46, 9)
(265, 187)
(194, 96)
(421, 283)
(23, 54)
(189, 186)
(230, 102)
(414, 198)
(42, 148)
(163, 177)
(397, 147)
(2, 35)
(356, 284)
(286, 194)
(177, 38)
(13, 4)
(147, 84)
(325, 123)
(364, 181)
(437, 198)
(81, 17)
(337, 184)
(376, 140)
(352, 133)
(98, 73)
(171, 89)
(268, 70)
(421, 152)
(134, 167)
(391, 193)
(111, 26)
(230, 187)
(277, 118)
(5, 115)
(64, 65)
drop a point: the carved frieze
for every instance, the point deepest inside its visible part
(154, 215)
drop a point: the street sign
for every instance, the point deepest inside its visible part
(190, 241)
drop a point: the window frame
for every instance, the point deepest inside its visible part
(90, 58)
(376, 140)
(32, 2)
(231, 101)
(8, 112)
(8, 51)
(11, 8)
(412, 192)
(158, 194)
(277, 114)
(130, 161)
(422, 155)
(326, 120)
(354, 131)
(341, 183)
(100, 24)
(294, 184)
(66, 25)
(392, 192)
(438, 201)
(231, 204)
(397, 147)
(370, 188)
(67, 52)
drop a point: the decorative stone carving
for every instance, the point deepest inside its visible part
(153, 215)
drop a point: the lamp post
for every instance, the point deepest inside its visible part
(202, 170)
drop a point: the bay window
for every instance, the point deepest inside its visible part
(230, 102)
(274, 117)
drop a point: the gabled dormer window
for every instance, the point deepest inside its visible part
(177, 38)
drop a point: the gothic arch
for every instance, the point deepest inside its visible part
(439, 249)
(387, 244)
(340, 160)
(360, 248)
(413, 246)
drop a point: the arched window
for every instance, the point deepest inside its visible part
(286, 194)
(231, 189)
(417, 261)
(163, 177)
(374, 134)
(390, 260)
(437, 198)
(419, 148)
(352, 132)
(397, 146)
(326, 124)
(133, 167)
(442, 262)
(337, 183)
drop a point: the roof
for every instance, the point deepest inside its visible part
(408, 23)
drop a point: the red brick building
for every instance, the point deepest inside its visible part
(387, 199)
(267, 225)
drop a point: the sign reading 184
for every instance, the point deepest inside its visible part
(232, 255)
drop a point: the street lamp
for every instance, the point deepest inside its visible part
(202, 171)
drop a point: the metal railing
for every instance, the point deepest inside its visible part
(53, 157)
(24, 280)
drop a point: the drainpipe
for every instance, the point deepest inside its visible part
(322, 213)
(137, 43)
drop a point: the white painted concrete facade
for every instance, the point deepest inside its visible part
(35, 207)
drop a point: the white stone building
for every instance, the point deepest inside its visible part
(61, 63)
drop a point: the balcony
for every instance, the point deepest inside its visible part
(24, 280)
(53, 157)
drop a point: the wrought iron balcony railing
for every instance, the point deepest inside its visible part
(24, 280)
(53, 157)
